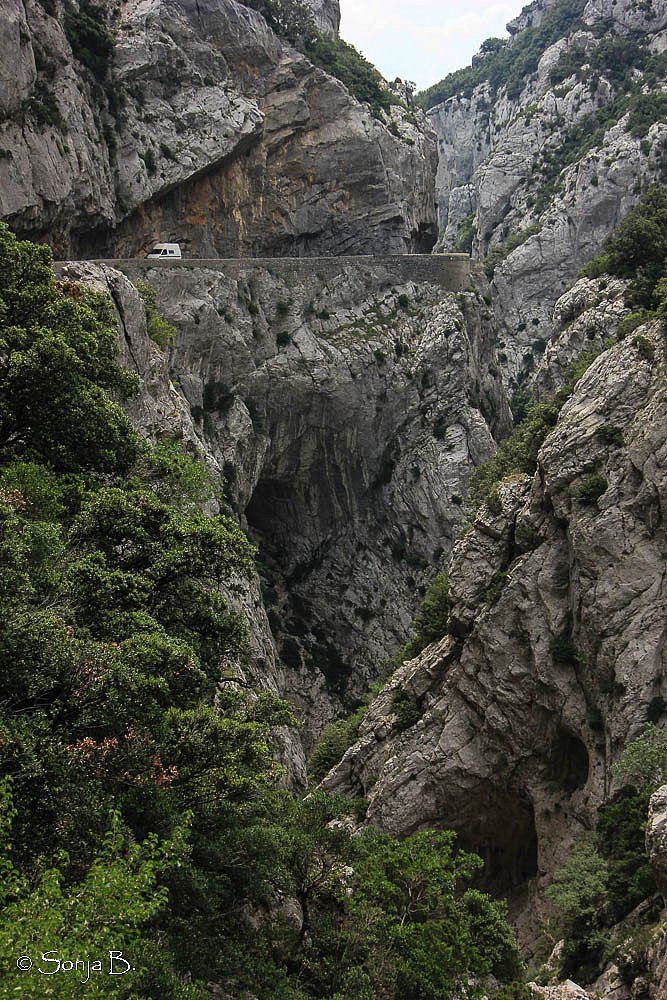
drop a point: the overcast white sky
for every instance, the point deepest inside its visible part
(423, 40)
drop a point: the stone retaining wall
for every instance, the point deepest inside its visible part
(451, 271)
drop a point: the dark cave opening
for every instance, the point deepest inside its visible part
(502, 831)
(568, 762)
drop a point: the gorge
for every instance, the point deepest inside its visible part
(347, 390)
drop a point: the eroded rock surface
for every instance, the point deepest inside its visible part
(554, 655)
(197, 124)
(326, 14)
(656, 837)
(553, 168)
(345, 414)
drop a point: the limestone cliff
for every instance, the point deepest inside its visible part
(346, 414)
(554, 655)
(195, 122)
(343, 406)
(326, 14)
(545, 147)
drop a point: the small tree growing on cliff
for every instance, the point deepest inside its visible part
(578, 892)
(644, 760)
(430, 621)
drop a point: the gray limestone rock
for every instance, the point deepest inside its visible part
(553, 656)
(514, 172)
(656, 836)
(326, 14)
(205, 129)
(344, 414)
(17, 68)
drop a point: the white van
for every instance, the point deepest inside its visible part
(163, 250)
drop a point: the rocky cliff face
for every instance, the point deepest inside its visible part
(536, 170)
(554, 654)
(344, 412)
(326, 14)
(195, 122)
(345, 416)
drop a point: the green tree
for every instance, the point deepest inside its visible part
(293, 20)
(578, 893)
(644, 759)
(118, 657)
(384, 916)
(59, 348)
(620, 835)
(637, 249)
(105, 910)
(433, 931)
(160, 330)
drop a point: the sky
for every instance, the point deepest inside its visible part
(423, 40)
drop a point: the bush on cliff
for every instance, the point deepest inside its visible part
(430, 622)
(637, 250)
(606, 875)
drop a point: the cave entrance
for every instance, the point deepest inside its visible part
(502, 831)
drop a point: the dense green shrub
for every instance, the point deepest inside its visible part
(563, 651)
(606, 875)
(637, 250)
(644, 759)
(407, 711)
(578, 893)
(465, 235)
(112, 631)
(613, 57)
(590, 489)
(430, 621)
(611, 435)
(518, 453)
(646, 110)
(348, 65)
(620, 836)
(409, 924)
(42, 106)
(59, 348)
(293, 20)
(336, 738)
(118, 658)
(105, 909)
